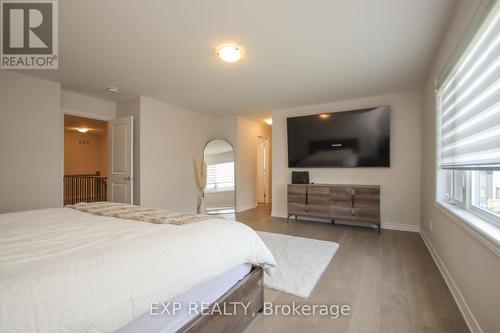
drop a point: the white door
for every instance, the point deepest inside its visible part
(120, 160)
(262, 170)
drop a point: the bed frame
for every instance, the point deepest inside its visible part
(249, 290)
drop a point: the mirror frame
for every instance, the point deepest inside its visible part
(234, 171)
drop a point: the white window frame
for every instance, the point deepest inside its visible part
(470, 195)
(479, 222)
(456, 200)
(483, 213)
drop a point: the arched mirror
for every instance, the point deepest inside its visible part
(219, 190)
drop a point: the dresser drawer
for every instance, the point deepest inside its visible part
(295, 208)
(367, 213)
(296, 200)
(297, 194)
(318, 195)
(296, 189)
(318, 210)
(368, 197)
(341, 193)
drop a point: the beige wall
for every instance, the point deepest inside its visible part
(31, 137)
(79, 104)
(246, 161)
(472, 270)
(400, 184)
(166, 141)
(171, 138)
(85, 158)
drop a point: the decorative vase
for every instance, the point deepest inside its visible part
(201, 205)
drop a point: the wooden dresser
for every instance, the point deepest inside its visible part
(330, 201)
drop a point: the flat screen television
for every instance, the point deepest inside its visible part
(349, 139)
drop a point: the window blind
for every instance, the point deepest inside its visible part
(220, 177)
(469, 102)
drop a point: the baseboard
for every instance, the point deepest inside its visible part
(401, 227)
(469, 317)
(247, 207)
(274, 214)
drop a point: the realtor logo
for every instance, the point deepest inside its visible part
(29, 37)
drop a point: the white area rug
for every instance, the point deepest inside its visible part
(300, 262)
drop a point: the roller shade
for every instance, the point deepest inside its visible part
(220, 177)
(469, 102)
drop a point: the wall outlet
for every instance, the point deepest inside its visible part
(430, 225)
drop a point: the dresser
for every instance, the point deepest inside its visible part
(331, 201)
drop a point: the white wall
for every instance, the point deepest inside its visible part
(167, 139)
(242, 134)
(246, 161)
(171, 139)
(400, 184)
(79, 104)
(31, 151)
(472, 269)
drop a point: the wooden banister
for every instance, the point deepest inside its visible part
(84, 188)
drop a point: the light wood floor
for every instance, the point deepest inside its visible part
(390, 282)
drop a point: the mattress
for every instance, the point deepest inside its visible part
(63, 270)
(206, 293)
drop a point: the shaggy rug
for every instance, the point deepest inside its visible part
(300, 262)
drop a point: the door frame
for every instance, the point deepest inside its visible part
(267, 198)
(89, 115)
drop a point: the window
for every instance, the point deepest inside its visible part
(468, 104)
(485, 198)
(457, 186)
(220, 177)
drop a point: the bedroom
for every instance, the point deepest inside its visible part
(158, 71)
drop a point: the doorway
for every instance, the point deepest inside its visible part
(98, 158)
(85, 159)
(263, 172)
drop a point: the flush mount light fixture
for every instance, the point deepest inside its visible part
(82, 130)
(324, 116)
(230, 53)
(269, 121)
(113, 90)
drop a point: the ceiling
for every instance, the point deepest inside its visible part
(96, 127)
(297, 52)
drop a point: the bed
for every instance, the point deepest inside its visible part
(65, 270)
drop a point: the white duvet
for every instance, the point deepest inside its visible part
(62, 270)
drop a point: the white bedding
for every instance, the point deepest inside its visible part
(63, 270)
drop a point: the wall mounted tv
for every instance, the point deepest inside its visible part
(349, 139)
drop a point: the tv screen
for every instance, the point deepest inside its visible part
(349, 139)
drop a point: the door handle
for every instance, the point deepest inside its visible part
(128, 178)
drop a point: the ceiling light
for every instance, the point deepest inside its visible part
(83, 130)
(230, 53)
(269, 121)
(113, 90)
(324, 116)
